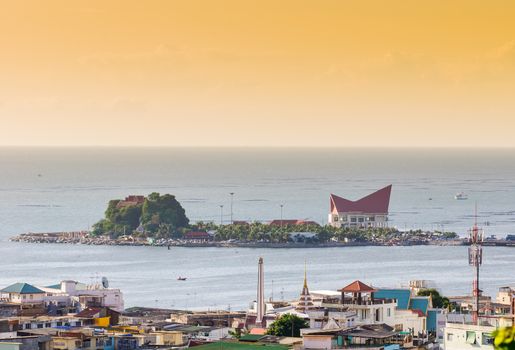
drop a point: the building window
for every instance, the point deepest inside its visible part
(48, 325)
(487, 339)
(371, 218)
(40, 325)
(59, 324)
(471, 337)
(361, 220)
(388, 312)
(450, 336)
(352, 219)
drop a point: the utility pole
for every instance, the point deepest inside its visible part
(281, 205)
(232, 195)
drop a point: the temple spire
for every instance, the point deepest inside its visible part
(305, 275)
(305, 302)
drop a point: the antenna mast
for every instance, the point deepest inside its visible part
(475, 260)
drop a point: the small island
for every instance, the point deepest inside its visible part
(160, 220)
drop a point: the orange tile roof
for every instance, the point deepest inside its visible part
(258, 331)
(357, 287)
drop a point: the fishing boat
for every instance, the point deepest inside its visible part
(461, 196)
(181, 278)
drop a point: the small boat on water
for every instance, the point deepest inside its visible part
(181, 278)
(461, 196)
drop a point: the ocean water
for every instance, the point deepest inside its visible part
(68, 189)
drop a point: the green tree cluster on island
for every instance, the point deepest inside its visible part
(160, 216)
(262, 232)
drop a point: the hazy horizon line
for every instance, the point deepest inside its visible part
(249, 147)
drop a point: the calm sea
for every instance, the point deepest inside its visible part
(68, 189)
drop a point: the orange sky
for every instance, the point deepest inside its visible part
(257, 73)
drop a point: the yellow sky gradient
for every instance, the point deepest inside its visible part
(257, 73)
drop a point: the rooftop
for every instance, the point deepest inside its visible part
(239, 346)
(22, 288)
(375, 203)
(402, 296)
(357, 287)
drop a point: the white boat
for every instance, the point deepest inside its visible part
(461, 196)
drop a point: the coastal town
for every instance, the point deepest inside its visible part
(74, 316)
(257, 175)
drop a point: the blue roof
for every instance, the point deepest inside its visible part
(55, 286)
(420, 303)
(431, 320)
(22, 288)
(401, 295)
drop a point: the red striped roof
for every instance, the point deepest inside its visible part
(375, 203)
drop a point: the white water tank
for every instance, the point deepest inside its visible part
(69, 287)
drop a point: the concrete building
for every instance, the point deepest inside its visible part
(369, 211)
(21, 293)
(64, 297)
(359, 297)
(467, 336)
(506, 296)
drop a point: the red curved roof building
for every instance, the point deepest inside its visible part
(369, 211)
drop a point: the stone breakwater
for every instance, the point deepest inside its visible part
(84, 237)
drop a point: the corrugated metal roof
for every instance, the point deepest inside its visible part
(419, 303)
(401, 295)
(22, 288)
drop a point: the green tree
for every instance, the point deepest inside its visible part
(439, 301)
(161, 216)
(163, 209)
(287, 325)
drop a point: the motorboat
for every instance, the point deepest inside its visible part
(461, 196)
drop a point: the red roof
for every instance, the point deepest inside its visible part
(258, 331)
(240, 222)
(90, 312)
(375, 203)
(357, 287)
(418, 312)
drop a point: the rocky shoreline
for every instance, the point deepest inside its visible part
(86, 239)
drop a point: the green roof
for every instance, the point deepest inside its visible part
(55, 286)
(239, 346)
(22, 288)
(251, 337)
